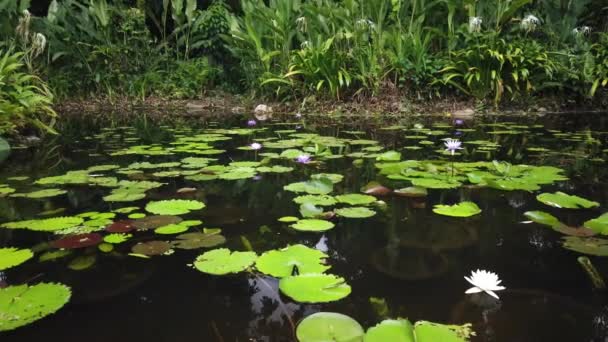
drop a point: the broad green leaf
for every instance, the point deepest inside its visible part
(11, 257)
(21, 305)
(329, 326)
(463, 209)
(312, 225)
(314, 288)
(563, 200)
(223, 261)
(295, 259)
(174, 207)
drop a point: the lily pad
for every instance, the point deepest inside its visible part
(297, 259)
(11, 257)
(151, 248)
(171, 229)
(117, 238)
(318, 200)
(329, 326)
(23, 304)
(355, 199)
(586, 245)
(314, 288)
(82, 262)
(124, 226)
(46, 193)
(432, 183)
(563, 200)
(463, 209)
(222, 261)
(199, 240)
(312, 225)
(153, 222)
(322, 186)
(412, 191)
(403, 331)
(46, 225)
(355, 212)
(174, 207)
(598, 225)
(288, 219)
(77, 241)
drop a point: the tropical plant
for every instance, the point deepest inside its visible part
(24, 98)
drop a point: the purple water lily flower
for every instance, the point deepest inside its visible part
(458, 122)
(251, 123)
(458, 133)
(298, 115)
(451, 145)
(255, 146)
(303, 159)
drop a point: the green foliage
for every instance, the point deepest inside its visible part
(24, 98)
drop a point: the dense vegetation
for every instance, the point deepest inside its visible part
(493, 51)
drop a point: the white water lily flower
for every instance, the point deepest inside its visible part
(475, 24)
(484, 281)
(451, 145)
(530, 22)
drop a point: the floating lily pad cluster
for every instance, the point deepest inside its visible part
(330, 326)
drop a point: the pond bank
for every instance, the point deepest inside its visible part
(385, 106)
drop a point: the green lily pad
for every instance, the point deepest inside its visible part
(463, 209)
(82, 262)
(432, 183)
(543, 218)
(171, 229)
(117, 238)
(356, 199)
(402, 330)
(599, 225)
(282, 262)
(563, 200)
(322, 186)
(23, 304)
(11, 257)
(586, 245)
(288, 219)
(355, 212)
(389, 156)
(312, 225)
(310, 210)
(222, 261)
(318, 200)
(314, 288)
(46, 193)
(46, 225)
(174, 207)
(329, 326)
(412, 191)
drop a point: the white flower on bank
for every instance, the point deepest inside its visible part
(484, 281)
(475, 24)
(581, 31)
(365, 24)
(530, 22)
(302, 24)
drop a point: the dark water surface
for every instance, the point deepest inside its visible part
(406, 254)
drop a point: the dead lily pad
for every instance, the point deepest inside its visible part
(151, 248)
(123, 226)
(153, 222)
(77, 241)
(198, 240)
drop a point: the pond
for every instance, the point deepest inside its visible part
(229, 230)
